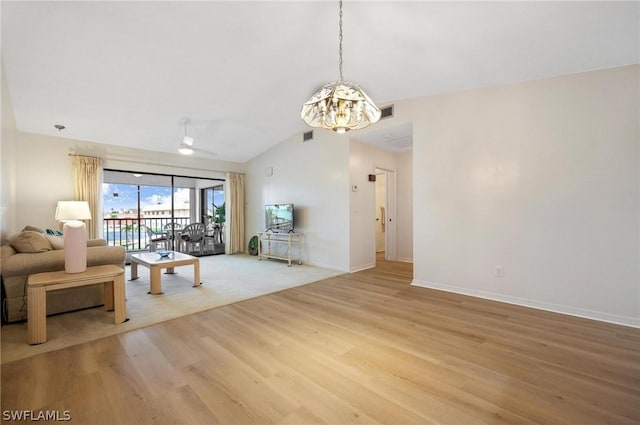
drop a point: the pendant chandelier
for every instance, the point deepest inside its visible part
(340, 106)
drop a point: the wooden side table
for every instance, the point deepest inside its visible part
(39, 284)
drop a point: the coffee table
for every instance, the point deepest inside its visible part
(154, 262)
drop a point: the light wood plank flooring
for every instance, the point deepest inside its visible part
(364, 348)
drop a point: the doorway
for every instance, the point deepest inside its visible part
(385, 206)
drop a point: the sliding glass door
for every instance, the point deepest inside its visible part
(142, 210)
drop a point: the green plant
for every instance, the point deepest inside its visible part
(253, 245)
(219, 213)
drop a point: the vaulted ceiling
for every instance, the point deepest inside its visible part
(128, 73)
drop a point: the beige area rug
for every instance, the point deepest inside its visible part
(225, 279)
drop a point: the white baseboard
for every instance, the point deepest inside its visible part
(556, 308)
(361, 268)
(324, 266)
(405, 260)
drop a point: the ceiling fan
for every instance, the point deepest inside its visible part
(186, 145)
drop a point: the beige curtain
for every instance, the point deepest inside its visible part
(86, 187)
(235, 213)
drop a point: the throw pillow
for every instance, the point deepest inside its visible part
(57, 242)
(30, 241)
(53, 232)
(33, 229)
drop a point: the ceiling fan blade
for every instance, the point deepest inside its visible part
(204, 152)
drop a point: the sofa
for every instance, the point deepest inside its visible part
(31, 252)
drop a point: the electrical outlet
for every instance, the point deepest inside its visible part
(499, 271)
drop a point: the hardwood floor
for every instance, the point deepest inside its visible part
(364, 348)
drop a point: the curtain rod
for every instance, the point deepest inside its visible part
(85, 156)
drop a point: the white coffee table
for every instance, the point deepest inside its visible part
(154, 262)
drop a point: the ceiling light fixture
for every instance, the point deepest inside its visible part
(340, 106)
(185, 146)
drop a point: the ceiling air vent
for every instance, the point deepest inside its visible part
(307, 136)
(386, 112)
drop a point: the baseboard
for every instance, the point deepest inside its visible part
(405, 260)
(361, 268)
(555, 308)
(325, 266)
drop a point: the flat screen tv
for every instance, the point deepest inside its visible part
(279, 218)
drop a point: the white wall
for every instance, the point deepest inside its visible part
(8, 142)
(364, 159)
(314, 176)
(541, 178)
(317, 177)
(405, 210)
(44, 174)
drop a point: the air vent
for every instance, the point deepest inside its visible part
(386, 112)
(307, 136)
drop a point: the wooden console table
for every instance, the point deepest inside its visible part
(39, 284)
(280, 238)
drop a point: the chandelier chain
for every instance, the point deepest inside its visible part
(340, 38)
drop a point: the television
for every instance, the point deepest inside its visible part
(278, 218)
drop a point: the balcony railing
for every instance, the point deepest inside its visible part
(127, 232)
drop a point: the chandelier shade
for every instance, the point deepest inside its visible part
(340, 106)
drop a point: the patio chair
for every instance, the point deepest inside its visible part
(173, 231)
(155, 238)
(172, 226)
(192, 235)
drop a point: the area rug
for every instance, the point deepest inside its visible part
(225, 279)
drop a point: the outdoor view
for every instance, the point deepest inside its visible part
(141, 217)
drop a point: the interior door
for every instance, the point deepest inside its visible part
(386, 215)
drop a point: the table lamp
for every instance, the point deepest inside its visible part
(75, 234)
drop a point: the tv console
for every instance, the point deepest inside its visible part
(269, 237)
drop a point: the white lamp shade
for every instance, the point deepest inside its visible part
(73, 210)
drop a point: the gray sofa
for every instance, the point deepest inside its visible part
(15, 268)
